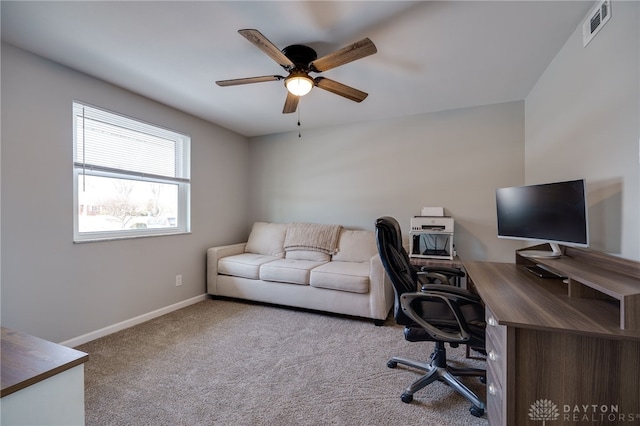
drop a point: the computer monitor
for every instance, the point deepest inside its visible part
(554, 213)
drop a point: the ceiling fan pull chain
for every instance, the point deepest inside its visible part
(299, 134)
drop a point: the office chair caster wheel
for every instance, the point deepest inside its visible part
(392, 364)
(475, 411)
(406, 398)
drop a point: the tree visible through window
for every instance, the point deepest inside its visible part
(131, 178)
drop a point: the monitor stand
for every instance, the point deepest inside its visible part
(543, 254)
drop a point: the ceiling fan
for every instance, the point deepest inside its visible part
(299, 60)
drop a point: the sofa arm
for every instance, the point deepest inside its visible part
(213, 255)
(382, 295)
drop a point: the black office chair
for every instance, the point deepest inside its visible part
(438, 313)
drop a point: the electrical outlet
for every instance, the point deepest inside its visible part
(178, 280)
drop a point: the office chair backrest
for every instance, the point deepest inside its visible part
(395, 238)
(396, 263)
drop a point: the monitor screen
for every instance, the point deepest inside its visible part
(553, 213)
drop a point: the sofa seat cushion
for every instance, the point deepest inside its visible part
(246, 265)
(344, 276)
(290, 271)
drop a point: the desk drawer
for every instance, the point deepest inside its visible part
(496, 352)
(495, 399)
(496, 342)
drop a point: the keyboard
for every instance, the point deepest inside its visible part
(543, 272)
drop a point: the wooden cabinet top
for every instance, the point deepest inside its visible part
(27, 360)
(521, 299)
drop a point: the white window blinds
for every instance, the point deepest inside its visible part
(110, 142)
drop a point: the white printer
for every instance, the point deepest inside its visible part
(431, 237)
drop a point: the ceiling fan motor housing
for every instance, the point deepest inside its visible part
(300, 55)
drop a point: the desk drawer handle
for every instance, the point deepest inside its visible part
(493, 356)
(492, 321)
(492, 389)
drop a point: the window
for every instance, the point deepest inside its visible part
(131, 179)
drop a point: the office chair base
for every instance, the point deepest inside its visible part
(437, 369)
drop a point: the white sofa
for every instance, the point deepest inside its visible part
(271, 268)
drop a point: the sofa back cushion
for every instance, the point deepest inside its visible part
(356, 246)
(267, 238)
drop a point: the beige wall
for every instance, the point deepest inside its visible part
(353, 174)
(583, 121)
(58, 290)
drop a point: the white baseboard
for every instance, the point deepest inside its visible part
(76, 341)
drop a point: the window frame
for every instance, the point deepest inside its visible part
(183, 162)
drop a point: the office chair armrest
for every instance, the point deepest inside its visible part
(423, 277)
(459, 292)
(442, 274)
(443, 270)
(449, 299)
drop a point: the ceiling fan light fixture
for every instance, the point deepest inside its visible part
(299, 84)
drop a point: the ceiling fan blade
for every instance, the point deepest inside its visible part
(249, 80)
(355, 51)
(291, 103)
(256, 37)
(340, 89)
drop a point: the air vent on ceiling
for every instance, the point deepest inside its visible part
(595, 21)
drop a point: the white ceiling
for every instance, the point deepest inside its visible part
(432, 56)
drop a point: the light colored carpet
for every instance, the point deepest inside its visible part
(221, 362)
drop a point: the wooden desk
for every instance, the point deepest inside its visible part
(42, 382)
(567, 356)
